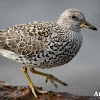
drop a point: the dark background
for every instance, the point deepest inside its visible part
(83, 72)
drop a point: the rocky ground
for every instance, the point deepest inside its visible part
(8, 92)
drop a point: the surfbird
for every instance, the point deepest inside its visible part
(44, 44)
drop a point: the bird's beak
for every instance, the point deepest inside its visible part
(88, 25)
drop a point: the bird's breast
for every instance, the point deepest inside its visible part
(62, 50)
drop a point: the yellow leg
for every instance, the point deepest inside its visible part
(24, 69)
(50, 77)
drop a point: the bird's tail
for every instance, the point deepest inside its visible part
(3, 35)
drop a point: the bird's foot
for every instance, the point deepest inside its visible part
(36, 89)
(52, 79)
(49, 77)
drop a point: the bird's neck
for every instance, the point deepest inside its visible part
(70, 30)
(66, 25)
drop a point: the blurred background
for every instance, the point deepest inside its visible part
(83, 73)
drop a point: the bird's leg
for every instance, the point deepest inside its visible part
(34, 89)
(49, 76)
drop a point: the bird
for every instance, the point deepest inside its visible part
(44, 44)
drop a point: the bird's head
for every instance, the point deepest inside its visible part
(74, 19)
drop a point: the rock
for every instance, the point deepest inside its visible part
(8, 92)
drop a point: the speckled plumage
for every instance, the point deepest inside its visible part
(43, 44)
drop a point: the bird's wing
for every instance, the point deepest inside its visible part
(25, 38)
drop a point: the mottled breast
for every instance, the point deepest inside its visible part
(62, 49)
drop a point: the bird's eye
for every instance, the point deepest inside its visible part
(73, 17)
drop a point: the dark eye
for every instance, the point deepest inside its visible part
(74, 17)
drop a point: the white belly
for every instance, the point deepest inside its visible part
(8, 54)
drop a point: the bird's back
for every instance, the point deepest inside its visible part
(30, 36)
